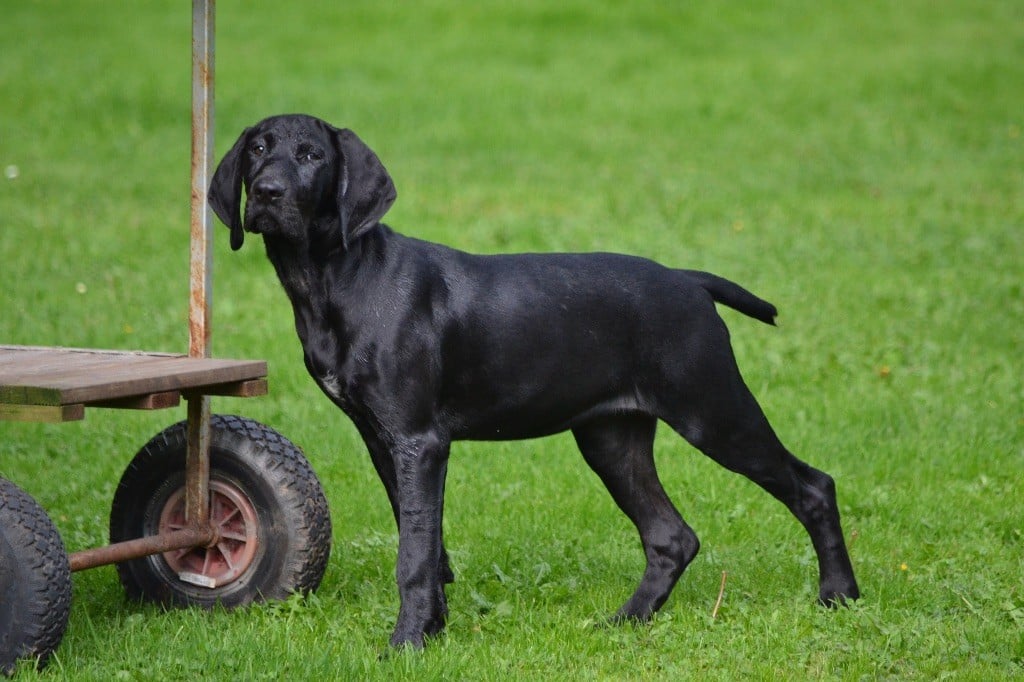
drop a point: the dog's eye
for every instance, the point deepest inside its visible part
(257, 149)
(308, 154)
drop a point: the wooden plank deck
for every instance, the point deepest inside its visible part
(56, 384)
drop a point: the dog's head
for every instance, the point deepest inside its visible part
(300, 174)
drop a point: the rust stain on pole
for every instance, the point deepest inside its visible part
(197, 461)
(201, 248)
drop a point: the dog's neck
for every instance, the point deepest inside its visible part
(313, 275)
(303, 266)
(302, 271)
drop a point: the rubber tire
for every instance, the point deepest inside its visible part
(35, 580)
(294, 522)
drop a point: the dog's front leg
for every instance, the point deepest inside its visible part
(421, 464)
(380, 455)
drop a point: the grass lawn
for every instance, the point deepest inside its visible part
(859, 165)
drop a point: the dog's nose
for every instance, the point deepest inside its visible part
(267, 190)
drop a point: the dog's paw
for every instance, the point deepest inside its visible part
(833, 599)
(416, 634)
(622, 618)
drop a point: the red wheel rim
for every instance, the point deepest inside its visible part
(236, 524)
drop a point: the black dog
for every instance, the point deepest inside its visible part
(421, 345)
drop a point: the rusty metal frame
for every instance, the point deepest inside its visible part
(197, 468)
(200, 531)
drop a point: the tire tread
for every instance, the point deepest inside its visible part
(43, 574)
(281, 463)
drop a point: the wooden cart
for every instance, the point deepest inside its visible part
(213, 510)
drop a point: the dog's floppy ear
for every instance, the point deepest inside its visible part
(365, 190)
(225, 195)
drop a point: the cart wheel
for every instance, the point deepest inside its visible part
(274, 529)
(35, 580)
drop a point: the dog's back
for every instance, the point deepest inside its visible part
(531, 344)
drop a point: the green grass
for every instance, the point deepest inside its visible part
(861, 166)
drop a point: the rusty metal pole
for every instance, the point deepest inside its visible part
(186, 538)
(197, 468)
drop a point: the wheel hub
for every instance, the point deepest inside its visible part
(235, 525)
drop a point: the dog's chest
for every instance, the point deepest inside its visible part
(323, 360)
(326, 377)
(322, 351)
(331, 385)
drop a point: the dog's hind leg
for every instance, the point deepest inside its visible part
(620, 449)
(729, 426)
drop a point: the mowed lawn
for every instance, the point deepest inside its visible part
(859, 165)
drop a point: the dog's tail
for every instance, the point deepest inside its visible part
(734, 296)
